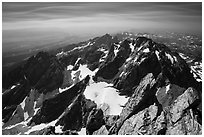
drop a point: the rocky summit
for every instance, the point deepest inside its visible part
(104, 86)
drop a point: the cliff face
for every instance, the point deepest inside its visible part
(103, 86)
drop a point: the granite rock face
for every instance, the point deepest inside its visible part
(151, 57)
(52, 108)
(52, 95)
(179, 118)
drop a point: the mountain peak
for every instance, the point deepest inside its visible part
(102, 86)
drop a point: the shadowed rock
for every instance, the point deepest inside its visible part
(52, 108)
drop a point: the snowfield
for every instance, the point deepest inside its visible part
(83, 72)
(101, 93)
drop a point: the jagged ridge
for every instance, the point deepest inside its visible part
(153, 77)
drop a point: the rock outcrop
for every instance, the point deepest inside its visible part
(94, 121)
(54, 95)
(52, 108)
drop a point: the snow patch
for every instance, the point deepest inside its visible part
(26, 115)
(102, 93)
(101, 49)
(170, 57)
(58, 129)
(41, 126)
(61, 53)
(19, 127)
(128, 59)
(116, 49)
(182, 56)
(85, 71)
(70, 67)
(132, 47)
(13, 86)
(197, 71)
(64, 89)
(82, 131)
(82, 72)
(157, 53)
(35, 108)
(77, 61)
(104, 57)
(139, 48)
(175, 58)
(167, 88)
(122, 74)
(135, 58)
(81, 47)
(23, 103)
(146, 50)
(142, 59)
(199, 80)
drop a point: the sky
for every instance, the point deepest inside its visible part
(23, 20)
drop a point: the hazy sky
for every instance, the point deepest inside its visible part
(99, 18)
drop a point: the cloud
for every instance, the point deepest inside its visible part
(102, 16)
(63, 10)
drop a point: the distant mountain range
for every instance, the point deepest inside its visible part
(125, 84)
